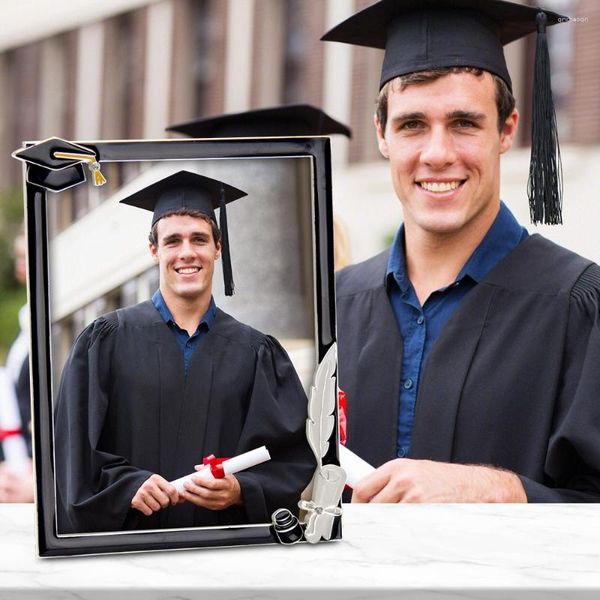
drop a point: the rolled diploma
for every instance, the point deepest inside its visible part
(13, 447)
(356, 468)
(231, 465)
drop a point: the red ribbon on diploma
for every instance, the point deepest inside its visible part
(342, 416)
(216, 468)
(6, 433)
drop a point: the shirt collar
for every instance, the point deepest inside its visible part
(502, 237)
(396, 267)
(161, 306)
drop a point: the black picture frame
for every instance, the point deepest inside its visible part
(50, 544)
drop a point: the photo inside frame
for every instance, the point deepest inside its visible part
(92, 262)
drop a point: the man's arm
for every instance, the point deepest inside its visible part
(94, 486)
(408, 480)
(214, 494)
(155, 493)
(276, 418)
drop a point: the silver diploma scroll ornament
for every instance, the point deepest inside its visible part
(328, 481)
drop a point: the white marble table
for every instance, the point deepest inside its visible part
(417, 551)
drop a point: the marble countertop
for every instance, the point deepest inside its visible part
(388, 551)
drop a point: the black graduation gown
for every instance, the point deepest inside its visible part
(125, 411)
(513, 380)
(24, 399)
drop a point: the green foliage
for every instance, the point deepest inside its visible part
(10, 303)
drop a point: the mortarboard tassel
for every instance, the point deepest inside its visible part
(92, 163)
(227, 272)
(545, 184)
(99, 179)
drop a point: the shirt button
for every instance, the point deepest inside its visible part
(420, 320)
(402, 452)
(408, 384)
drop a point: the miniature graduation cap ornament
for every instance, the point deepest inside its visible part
(288, 120)
(418, 35)
(56, 164)
(195, 192)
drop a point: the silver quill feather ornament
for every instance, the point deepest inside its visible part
(320, 422)
(328, 482)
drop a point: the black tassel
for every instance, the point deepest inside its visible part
(225, 253)
(545, 184)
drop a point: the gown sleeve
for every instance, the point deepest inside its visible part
(276, 418)
(572, 466)
(94, 487)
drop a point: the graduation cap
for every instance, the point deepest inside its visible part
(289, 120)
(195, 192)
(418, 35)
(56, 164)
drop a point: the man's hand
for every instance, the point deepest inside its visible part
(16, 487)
(408, 480)
(155, 493)
(214, 494)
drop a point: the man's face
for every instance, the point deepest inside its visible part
(444, 148)
(186, 255)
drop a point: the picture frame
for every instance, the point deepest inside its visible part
(52, 298)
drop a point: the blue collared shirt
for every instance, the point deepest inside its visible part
(187, 343)
(421, 325)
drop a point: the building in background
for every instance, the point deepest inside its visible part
(129, 68)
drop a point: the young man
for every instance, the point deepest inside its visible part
(149, 390)
(470, 347)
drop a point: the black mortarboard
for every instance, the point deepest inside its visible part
(195, 192)
(57, 164)
(289, 120)
(419, 35)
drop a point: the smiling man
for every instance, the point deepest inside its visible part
(149, 390)
(470, 350)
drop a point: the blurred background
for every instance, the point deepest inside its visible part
(88, 69)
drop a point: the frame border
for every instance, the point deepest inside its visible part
(36, 199)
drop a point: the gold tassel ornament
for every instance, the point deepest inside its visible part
(93, 165)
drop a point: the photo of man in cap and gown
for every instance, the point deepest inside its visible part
(469, 351)
(149, 390)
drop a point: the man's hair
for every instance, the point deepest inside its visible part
(185, 212)
(505, 101)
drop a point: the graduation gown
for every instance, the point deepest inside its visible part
(513, 380)
(125, 410)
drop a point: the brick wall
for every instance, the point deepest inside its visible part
(585, 100)
(366, 71)
(303, 54)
